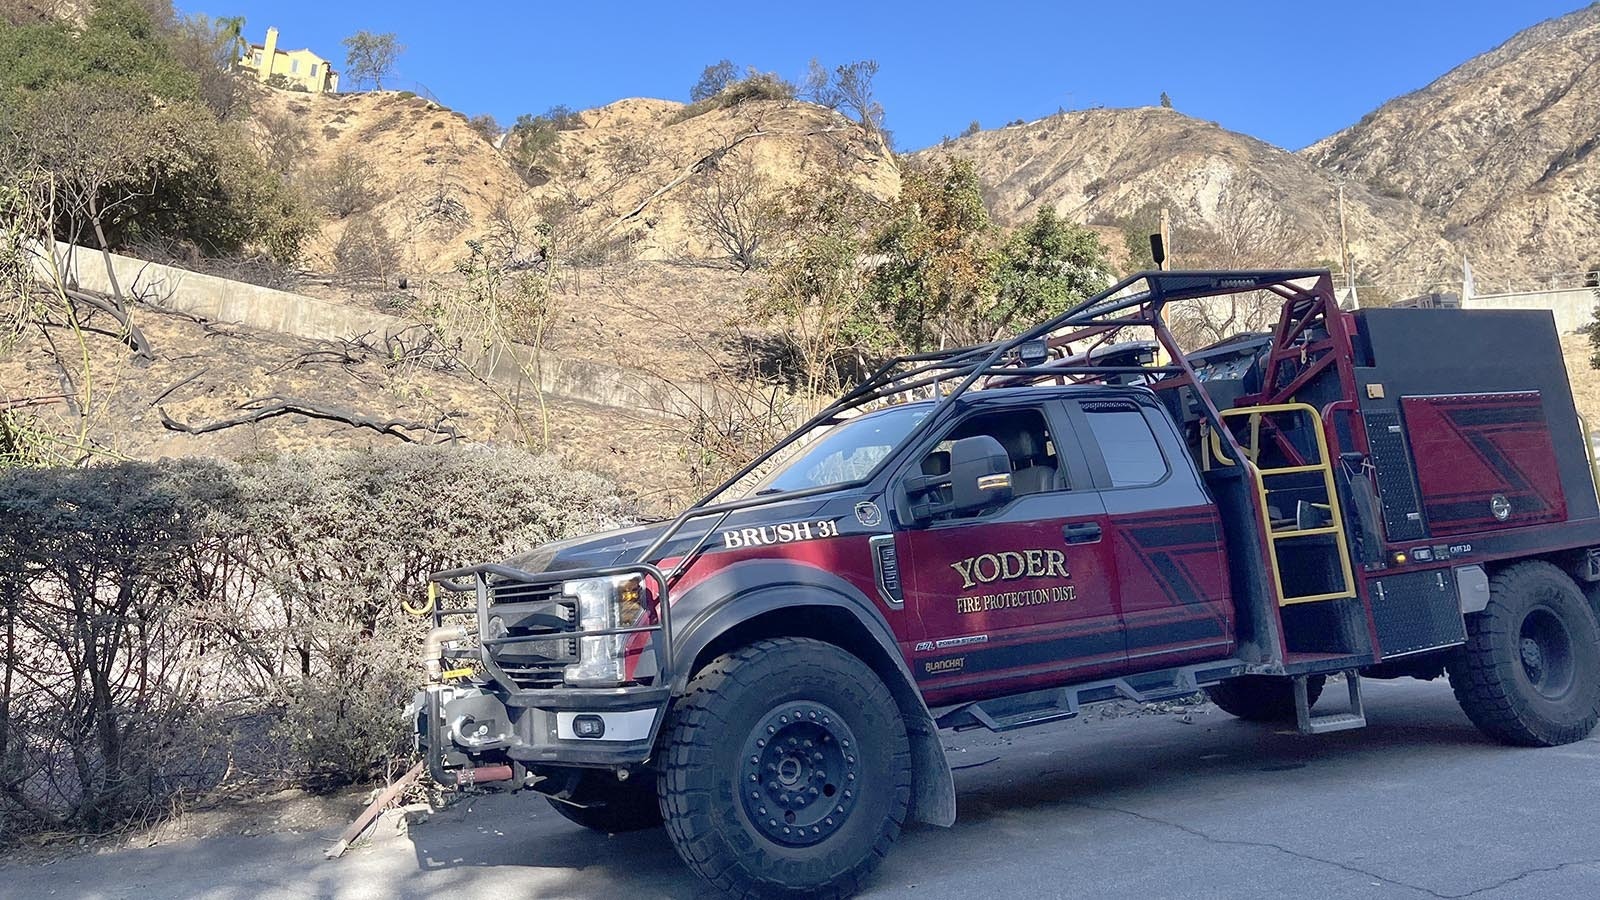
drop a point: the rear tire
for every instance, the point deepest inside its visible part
(614, 806)
(1263, 698)
(1529, 674)
(787, 771)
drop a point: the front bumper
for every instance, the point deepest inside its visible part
(494, 720)
(461, 727)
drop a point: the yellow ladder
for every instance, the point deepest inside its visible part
(1259, 475)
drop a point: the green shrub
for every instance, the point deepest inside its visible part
(754, 86)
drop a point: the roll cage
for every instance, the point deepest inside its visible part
(1310, 336)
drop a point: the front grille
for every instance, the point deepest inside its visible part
(518, 609)
(519, 592)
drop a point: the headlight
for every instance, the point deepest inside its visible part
(603, 604)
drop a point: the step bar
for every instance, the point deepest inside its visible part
(1056, 704)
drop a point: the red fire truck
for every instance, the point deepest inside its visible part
(995, 536)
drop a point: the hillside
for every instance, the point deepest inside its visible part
(1502, 148)
(1241, 200)
(203, 373)
(428, 178)
(622, 181)
(632, 172)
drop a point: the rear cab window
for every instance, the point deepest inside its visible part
(1132, 453)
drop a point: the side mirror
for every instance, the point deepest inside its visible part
(979, 478)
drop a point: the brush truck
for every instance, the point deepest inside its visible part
(996, 536)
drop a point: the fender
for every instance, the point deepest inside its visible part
(744, 591)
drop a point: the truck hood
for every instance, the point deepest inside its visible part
(623, 545)
(608, 548)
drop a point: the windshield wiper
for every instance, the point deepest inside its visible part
(767, 492)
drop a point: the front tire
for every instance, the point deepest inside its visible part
(1529, 674)
(1263, 698)
(787, 771)
(611, 806)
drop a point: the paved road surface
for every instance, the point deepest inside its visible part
(1416, 806)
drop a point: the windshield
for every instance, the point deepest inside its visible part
(845, 452)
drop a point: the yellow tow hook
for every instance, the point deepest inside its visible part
(426, 609)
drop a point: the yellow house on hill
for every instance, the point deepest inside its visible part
(300, 68)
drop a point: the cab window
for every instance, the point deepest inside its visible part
(1133, 456)
(1028, 442)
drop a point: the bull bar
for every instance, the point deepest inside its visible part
(477, 581)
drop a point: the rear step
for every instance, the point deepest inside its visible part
(1354, 716)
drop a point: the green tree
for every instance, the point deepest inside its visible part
(814, 286)
(1045, 266)
(532, 143)
(713, 79)
(370, 58)
(117, 123)
(1166, 102)
(936, 245)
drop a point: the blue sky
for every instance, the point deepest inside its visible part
(1286, 72)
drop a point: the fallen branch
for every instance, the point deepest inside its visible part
(25, 402)
(131, 333)
(271, 407)
(168, 392)
(370, 814)
(338, 355)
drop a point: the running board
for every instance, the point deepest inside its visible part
(1354, 716)
(1055, 704)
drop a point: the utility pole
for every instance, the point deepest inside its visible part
(1344, 245)
(1166, 242)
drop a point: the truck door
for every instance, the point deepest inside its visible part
(1164, 536)
(1021, 594)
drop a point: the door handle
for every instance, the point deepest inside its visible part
(1081, 532)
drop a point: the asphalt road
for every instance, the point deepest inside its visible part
(1416, 805)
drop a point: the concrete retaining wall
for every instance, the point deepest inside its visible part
(267, 309)
(1573, 308)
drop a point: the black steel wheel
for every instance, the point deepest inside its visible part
(787, 771)
(602, 803)
(801, 767)
(1529, 673)
(1262, 698)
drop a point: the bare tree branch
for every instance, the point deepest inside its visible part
(265, 408)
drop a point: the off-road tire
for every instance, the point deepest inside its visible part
(1529, 674)
(718, 738)
(615, 806)
(1262, 698)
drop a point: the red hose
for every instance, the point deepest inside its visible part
(482, 774)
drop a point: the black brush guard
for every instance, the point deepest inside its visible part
(476, 580)
(481, 581)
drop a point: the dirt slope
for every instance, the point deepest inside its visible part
(1502, 147)
(630, 174)
(204, 372)
(434, 181)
